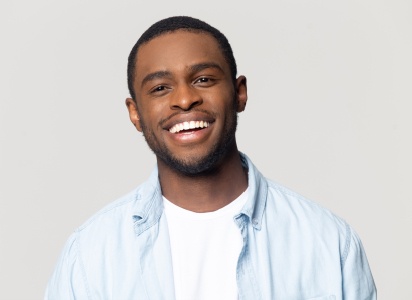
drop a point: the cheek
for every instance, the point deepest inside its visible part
(230, 103)
(150, 115)
(222, 98)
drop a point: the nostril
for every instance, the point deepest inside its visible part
(196, 103)
(187, 103)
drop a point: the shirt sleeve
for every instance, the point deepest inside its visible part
(68, 281)
(358, 282)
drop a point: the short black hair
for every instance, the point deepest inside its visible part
(170, 25)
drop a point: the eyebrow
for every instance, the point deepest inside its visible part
(155, 75)
(202, 66)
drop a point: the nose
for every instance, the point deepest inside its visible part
(185, 98)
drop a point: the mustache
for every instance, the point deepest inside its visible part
(209, 113)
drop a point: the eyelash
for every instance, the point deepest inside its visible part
(158, 89)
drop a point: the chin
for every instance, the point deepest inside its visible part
(196, 165)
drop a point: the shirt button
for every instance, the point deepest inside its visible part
(255, 221)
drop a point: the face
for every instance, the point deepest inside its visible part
(186, 101)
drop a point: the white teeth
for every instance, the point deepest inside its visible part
(188, 125)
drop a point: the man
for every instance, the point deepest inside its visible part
(207, 224)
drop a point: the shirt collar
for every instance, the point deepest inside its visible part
(149, 204)
(256, 203)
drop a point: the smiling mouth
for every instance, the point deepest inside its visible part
(192, 125)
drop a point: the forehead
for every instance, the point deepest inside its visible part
(178, 50)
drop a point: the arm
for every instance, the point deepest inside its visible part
(357, 278)
(68, 281)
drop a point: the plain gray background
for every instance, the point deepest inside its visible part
(328, 116)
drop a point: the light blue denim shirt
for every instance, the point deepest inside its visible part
(292, 249)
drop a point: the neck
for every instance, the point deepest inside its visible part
(207, 192)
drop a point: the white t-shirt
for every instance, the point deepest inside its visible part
(205, 249)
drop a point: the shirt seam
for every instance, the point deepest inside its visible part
(347, 245)
(83, 271)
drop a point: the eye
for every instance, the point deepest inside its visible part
(158, 89)
(204, 81)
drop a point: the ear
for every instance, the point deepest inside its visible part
(241, 93)
(133, 113)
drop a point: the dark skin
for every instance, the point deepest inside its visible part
(184, 77)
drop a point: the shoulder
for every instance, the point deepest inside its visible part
(116, 209)
(304, 222)
(103, 245)
(287, 209)
(292, 204)
(117, 217)
(305, 219)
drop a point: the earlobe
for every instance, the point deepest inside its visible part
(241, 93)
(133, 113)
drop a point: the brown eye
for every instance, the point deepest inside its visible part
(159, 88)
(203, 79)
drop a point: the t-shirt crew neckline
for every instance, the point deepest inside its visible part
(234, 206)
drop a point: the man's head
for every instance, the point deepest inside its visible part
(185, 96)
(170, 25)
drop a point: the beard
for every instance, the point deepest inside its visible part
(196, 165)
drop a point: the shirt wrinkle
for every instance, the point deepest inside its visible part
(292, 249)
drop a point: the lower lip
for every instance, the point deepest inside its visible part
(190, 136)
